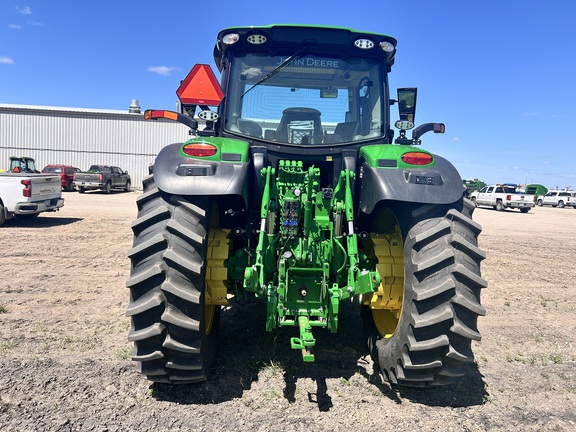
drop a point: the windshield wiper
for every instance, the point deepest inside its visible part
(277, 69)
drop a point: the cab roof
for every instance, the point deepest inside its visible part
(295, 36)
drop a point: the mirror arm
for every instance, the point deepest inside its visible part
(427, 127)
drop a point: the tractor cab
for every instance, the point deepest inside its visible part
(298, 86)
(22, 164)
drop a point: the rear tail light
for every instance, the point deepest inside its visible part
(27, 191)
(508, 197)
(199, 150)
(417, 158)
(101, 177)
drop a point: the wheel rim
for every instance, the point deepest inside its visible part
(386, 303)
(216, 274)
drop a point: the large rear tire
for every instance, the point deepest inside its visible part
(421, 324)
(174, 323)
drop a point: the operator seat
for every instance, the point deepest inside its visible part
(300, 126)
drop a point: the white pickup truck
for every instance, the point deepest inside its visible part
(558, 198)
(502, 197)
(26, 195)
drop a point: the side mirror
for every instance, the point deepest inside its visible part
(407, 106)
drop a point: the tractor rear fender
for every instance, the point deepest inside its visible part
(438, 184)
(225, 173)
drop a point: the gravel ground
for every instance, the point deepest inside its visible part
(66, 366)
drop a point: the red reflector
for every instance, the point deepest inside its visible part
(417, 158)
(199, 150)
(200, 87)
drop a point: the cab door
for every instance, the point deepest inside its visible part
(549, 198)
(484, 195)
(116, 177)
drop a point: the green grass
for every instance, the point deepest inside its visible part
(124, 353)
(6, 346)
(534, 359)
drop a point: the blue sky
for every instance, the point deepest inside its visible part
(501, 74)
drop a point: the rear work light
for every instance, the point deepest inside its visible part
(417, 158)
(256, 39)
(27, 191)
(387, 46)
(199, 150)
(230, 38)
(364, 43)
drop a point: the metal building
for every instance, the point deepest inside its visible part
(84, 137)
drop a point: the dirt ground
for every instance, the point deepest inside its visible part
(65, 360)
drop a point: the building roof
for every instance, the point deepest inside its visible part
(15, 107)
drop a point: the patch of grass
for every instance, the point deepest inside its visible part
(273, 368)
(153, 392)
(124, 353)
(534, 359)
(6, 346)
(556, 358)
(3, 309)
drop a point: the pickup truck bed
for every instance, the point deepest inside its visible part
(502, 197)
(104, 177)
(27, 195)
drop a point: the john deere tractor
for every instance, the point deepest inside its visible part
(292, 189)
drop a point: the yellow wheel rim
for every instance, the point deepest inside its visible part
(386, 303)
(216, 274)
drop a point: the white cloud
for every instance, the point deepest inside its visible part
(162, 70)
(26, 10)
(34, 23)
(14, 26)
(455, 139)
(6, 60)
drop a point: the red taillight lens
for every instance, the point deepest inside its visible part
(508, 197)
(417, 158)
(101, 177)
(199, 150)
(27, 191)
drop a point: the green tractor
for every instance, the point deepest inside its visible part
(22, 164)
(472, 185)
(294, 191)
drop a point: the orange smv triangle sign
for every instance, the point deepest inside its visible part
(200, 87)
